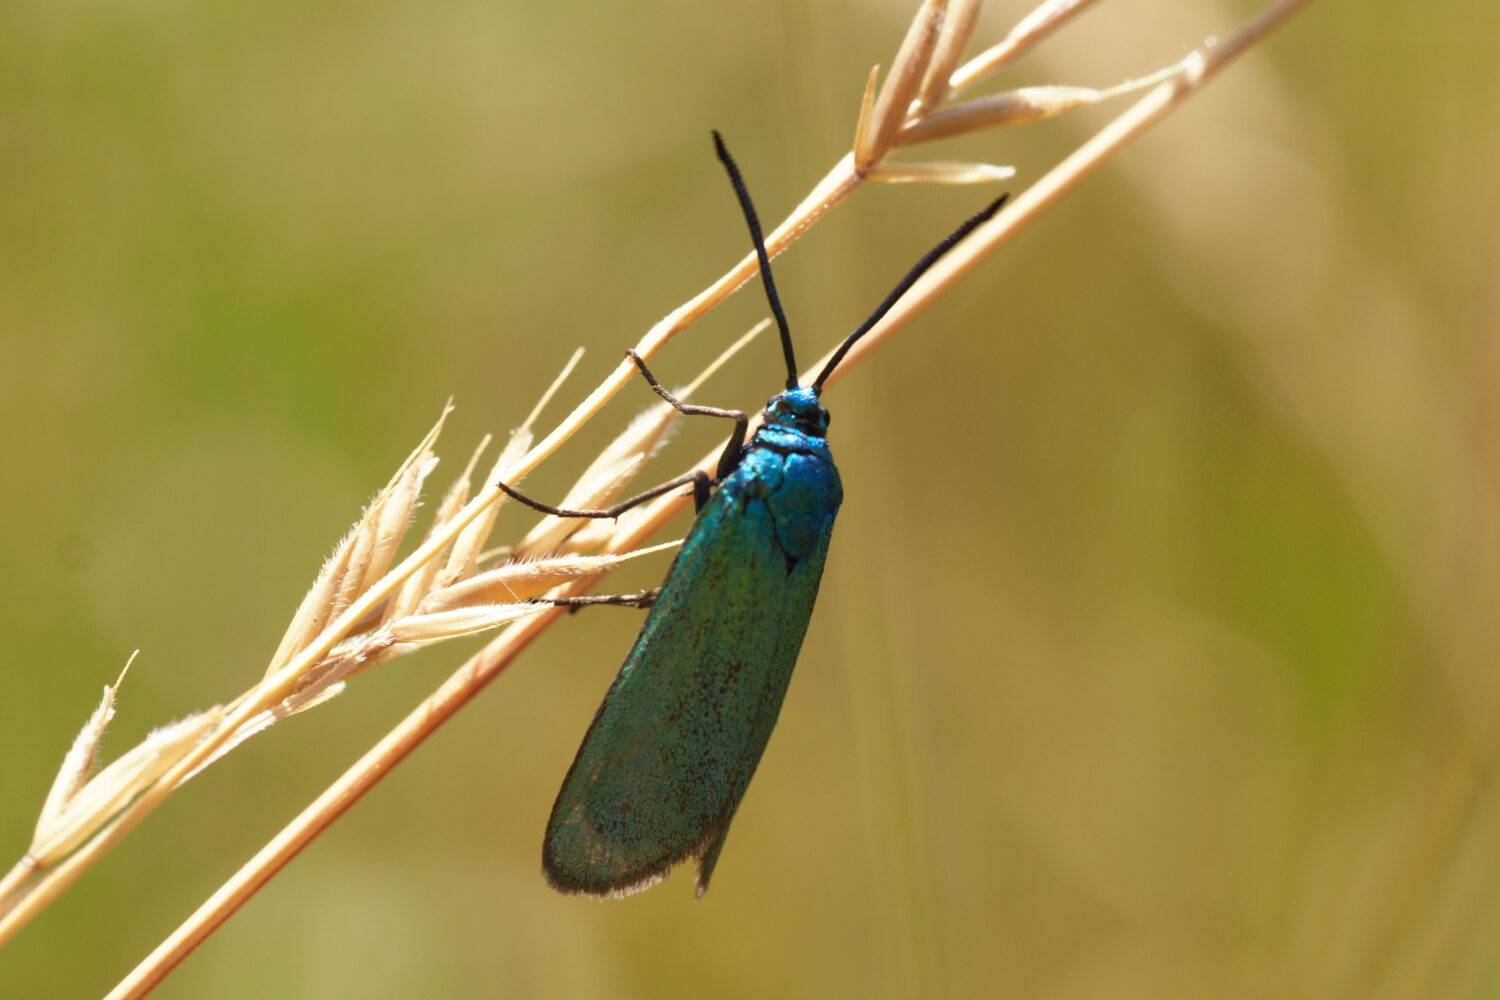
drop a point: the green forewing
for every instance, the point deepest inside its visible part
(678, 736)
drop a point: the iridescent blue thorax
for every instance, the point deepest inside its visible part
(786, 471)
(795, 421)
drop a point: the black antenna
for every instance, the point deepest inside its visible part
(903, 285)
(760, 252)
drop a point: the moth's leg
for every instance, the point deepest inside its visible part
(693, 477)
(731, 454)
(643, 599)
(701, 485)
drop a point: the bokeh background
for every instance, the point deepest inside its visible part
(1157, 652)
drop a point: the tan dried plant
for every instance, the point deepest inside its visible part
(367, 606)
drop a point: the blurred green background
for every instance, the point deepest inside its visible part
(1157, 649)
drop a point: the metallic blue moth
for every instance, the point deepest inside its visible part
(670, 752)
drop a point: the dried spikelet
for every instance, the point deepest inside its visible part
(465, 553)
(302, 701)
(314, 694)
(391, 526)
(419, 583)
(1030, 31)
(467, 548)
(938, 172)
(384, 524)
(79, 760)
(527, 578)
(442, 625)
(100, 799)
(1010, 108)
(342, 576)
(953, 42)
(366, 555)
(371, 546)
(314, 611)
(1014, 107)
(257, 724)
(324, 680)
(907, 72)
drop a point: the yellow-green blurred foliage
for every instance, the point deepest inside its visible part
(1157, 650)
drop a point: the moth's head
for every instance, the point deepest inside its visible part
(798, 409)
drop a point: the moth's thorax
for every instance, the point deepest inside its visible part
(795, 421)
(787, 473)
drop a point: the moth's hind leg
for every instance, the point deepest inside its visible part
(697, 477)
(640, 599)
